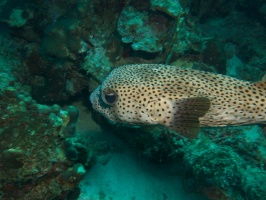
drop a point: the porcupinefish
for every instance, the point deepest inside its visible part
(181, 99)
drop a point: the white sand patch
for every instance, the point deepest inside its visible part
(127, 176)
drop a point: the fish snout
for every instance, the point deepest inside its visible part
(94, 97)
(91, 98)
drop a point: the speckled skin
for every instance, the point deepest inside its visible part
(180, 99)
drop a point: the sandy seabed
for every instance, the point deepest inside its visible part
(125, 175)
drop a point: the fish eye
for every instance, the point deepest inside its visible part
(110, 98)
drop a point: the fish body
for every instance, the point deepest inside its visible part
(181, 99)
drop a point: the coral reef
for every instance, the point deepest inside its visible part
(77, 42)
(137, 27)
(54, 52)
(97, 63)
(213, 166)
(226, 166)
(33, 159)
(238, 51)
(224, 163)
(172, 8)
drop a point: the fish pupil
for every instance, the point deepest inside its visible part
(110, 98)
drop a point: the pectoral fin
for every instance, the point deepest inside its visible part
(186, 113)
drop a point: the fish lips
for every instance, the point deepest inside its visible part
(98, 105)
(94, 97)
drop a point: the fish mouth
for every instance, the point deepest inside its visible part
(93, 97)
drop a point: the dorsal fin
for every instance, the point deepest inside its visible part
(264, 77)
